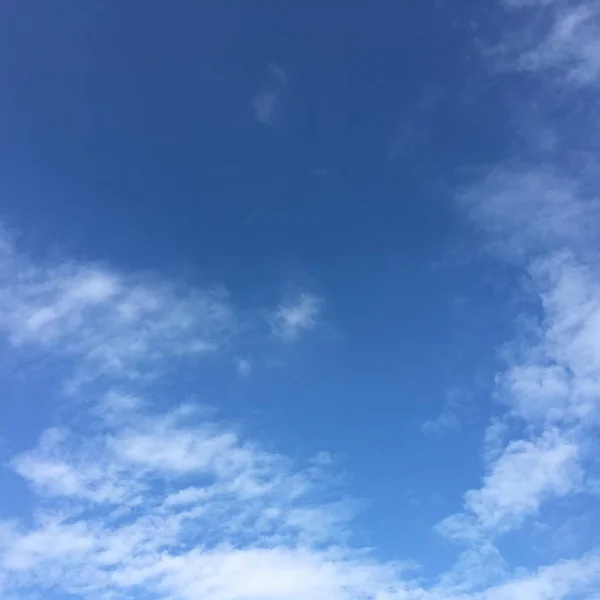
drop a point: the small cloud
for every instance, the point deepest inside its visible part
(323, 459)
(244, 367)
(296, 315)
(446, 422)
(265, 105)
(267, 101)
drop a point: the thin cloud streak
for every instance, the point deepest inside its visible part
(267, 101)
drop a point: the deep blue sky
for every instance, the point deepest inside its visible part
(285, 148)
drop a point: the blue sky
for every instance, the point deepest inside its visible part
(299, 300)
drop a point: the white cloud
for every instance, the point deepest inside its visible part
(551, 382)
(571, 47)
(113, 325)
(528, 209)
(521, 478)
(544, 216)
(446, 422)
(518, 481)
(569, 578)
(251, 527)
(561, 41)
(557, 377)
(125, 327)
(138, 504)
(295, 315)
(130, 502)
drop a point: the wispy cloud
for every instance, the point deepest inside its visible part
(127, 326)
(267, 100)
(244, 367)
(114, 325)
(525, 474)
(545, 216)
(171, 503)
(296, 315)
(559, 42)
(130, 501)
(447, 421)
(532, 208)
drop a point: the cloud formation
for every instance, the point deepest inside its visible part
(559, 41)
(136, 502)
(543, 214)
(116, 326)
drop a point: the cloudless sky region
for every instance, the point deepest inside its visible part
(300, 300)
